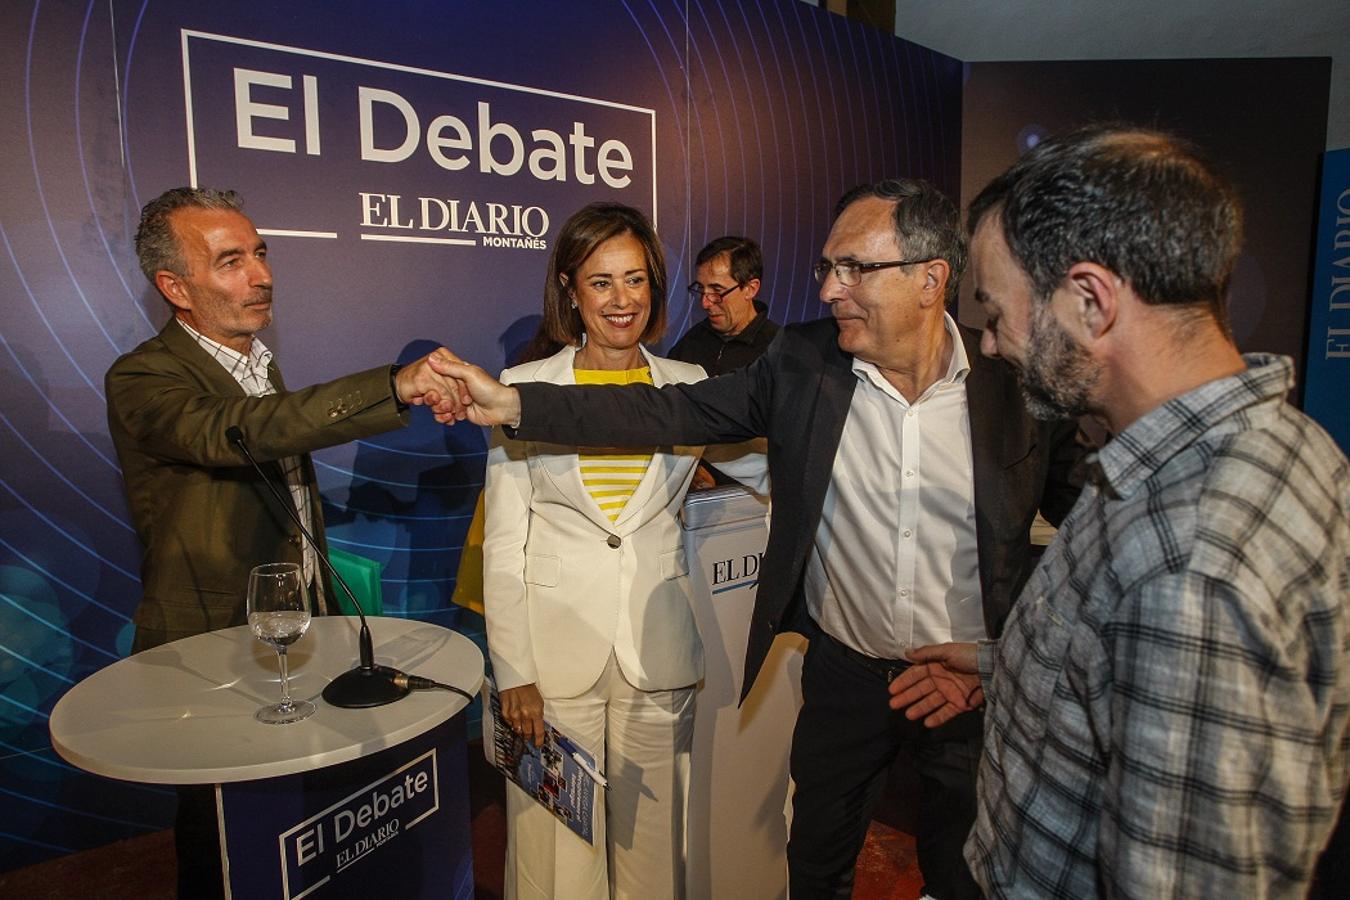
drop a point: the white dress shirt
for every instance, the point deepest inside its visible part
(251, 373)
(896, 563)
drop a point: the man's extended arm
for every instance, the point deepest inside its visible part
(156, 400)
(729, 408)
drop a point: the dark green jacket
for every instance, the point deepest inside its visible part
(202, 514)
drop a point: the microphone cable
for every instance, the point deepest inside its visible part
(418, 683)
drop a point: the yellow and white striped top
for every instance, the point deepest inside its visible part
(612, 474)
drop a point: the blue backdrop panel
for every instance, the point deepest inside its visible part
(787, 111)
(1328, 375)
(716, 118)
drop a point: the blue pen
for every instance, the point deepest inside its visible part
(580, 760)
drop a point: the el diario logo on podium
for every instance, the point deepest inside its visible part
(325, 844)
(737, 572)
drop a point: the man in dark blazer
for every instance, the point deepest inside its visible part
(863, 498)
(202, 514)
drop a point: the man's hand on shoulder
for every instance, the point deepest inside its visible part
(483, 399)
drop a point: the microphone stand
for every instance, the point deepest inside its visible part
(368, 684)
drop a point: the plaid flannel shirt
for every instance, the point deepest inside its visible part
(1167, 713)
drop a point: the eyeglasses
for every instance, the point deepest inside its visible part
(699, 290)
(850, 272)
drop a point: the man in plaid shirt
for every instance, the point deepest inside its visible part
(1167, 708)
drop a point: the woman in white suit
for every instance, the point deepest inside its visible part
(588, 615)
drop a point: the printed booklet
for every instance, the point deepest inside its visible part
(559, 775)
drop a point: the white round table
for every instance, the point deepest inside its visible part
(182, 713)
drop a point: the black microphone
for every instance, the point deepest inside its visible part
(367, 684)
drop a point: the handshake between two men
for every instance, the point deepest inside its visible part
(465, 392)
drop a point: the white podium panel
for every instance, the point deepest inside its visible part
(738, 794)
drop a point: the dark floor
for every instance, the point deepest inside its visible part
(143, 868)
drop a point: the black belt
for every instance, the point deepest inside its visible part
(888, 669)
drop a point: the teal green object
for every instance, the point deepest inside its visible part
(363, 574)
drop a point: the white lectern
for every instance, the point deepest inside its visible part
(738, 795)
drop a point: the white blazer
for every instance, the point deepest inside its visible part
(559, 595)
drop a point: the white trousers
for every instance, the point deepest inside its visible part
(641, 741)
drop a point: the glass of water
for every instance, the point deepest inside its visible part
(278, 614)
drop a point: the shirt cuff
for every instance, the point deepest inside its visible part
(393, 387)
(986, 653)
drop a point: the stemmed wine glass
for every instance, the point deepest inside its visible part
(278, 614)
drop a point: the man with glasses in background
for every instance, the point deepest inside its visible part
(737, 329)
(906, 473)
(736, 332)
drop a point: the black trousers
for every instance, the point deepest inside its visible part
(196, 839)
(845, 741)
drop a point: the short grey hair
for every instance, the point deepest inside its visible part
(156, 244)
(927, 223)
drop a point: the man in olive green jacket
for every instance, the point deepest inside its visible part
(203, 515)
